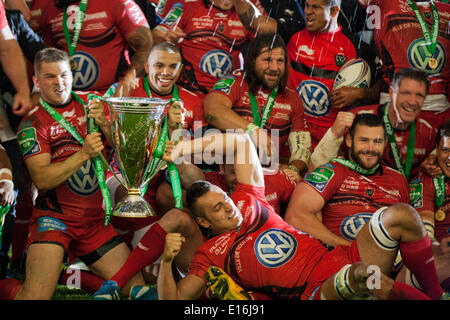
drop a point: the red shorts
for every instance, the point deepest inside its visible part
(78, 235)
(330, 264)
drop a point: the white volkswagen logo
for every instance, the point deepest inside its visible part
(275, 247)
(217, 63)
(84, 182)
(352, 225)
(417, 56)
(87, 71)
(315, 96)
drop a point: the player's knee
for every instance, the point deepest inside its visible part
(404, 216)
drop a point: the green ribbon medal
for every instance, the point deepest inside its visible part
(430, 38)
(159, 151)
(73, 42)
(406, 168)
(355, 167)
(91, 127)
(257, 119)
(3, 211)
(439, 189)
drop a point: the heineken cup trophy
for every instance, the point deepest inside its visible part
(136, 125)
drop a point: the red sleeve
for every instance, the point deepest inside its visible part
(281, 184)
(128, 16)
(3, 21)
(326, 179)
(231, 86)
(428, 195)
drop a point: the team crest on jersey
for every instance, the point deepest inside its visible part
(315, 96)
(87, 71)
(224, 85)
(319, 178)
(351, 225)
(217, 63)
(28, 142)
(84, 182)
(416, 194)
(417, 56)
(275, 247)
(340, 59)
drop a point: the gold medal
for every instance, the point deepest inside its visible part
(440, 215)
(432, 63)
(73, 64)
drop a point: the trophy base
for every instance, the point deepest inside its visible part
(133, 206)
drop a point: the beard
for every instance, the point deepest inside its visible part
(355, 156)
(60, 4)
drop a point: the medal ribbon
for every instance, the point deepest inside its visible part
(355, 167)
(91, 127)
(3, 211)
(430, 38)
(72, 43)
(439, 189)
(260, 122)
(156, 162)
(404, 169)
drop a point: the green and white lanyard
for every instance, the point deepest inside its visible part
(430, 38)
(91, 127)
(73, 42)
(156, 162)
(439, 190)
(3, 211)
(257, 119)
(404, 169)
(355, 167)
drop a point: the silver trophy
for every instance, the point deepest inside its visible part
(136, 127)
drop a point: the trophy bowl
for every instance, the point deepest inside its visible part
(136, 127)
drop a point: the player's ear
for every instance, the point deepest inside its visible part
(348, 139)
(203, 222)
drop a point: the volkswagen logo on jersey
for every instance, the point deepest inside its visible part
(87, 71)
(417, 56)
(315, 96)
(275, 247)
(217, 63)
(84, 182)
(351, 225)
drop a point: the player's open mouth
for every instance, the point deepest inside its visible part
(407, 109)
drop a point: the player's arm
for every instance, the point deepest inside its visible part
(303, 213)
(141, 41)
(13, 63)
(247, 165)
(190, 287)
(219, 113)
(47, 175)
(252, 18)
(6, 178)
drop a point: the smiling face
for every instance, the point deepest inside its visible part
(407, 101)
(366, 147)
(54, 80)
(220, 214)
(443, 155)
(270, 66)
(163, 68)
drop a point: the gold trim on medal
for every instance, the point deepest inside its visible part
(73, 64)
(440, 215)
(432, 63)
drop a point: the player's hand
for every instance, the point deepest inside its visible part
(430, 166)
(174, 242)
(97, 112)
(128, 83)
(176, 114)
(22, 104)
(7, 192)
(291, 174)
(175, 36)
(346, 96)
(263, 142)
(167, 155)
(343, 121)
(93, 145)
